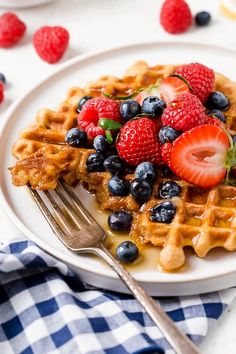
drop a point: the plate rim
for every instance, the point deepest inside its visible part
(58, 254)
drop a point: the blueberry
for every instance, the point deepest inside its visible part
(118, 187)
(202, 18)
(82, 101)
(100, 143)
(146, 171)
(129, 109)
(95, 162)
(3, 78)
(168, 134)
(120, 221)
(141, 190)
(127, 252)
(76, 137)
(218, 114)
(114, 164)
(153, 105)
(217, 100)
(163, 212)
(169, 189)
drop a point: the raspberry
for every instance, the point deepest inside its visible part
(51, 42)
(214, 121)
(175, 16)
(165, 153)
(200, 78)
(93, 110)
(12, 30)
(1, 92)
(184, 113)
(138, 142)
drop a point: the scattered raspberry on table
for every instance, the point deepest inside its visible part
(12, 29)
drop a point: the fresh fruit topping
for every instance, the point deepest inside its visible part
(137, 142)
(213, 121)
(184, 113)
(12, 30)
(76, 137)
(51, 42)
(217, 100)
(120, 221)
(114, 164)
(140, 190)
(1, 92)
(175, 16)
(146, 171)
(169, 189)
(218, 114)
(166, 152)
(234, 139)
(163, 212)
(95, 114)
(127, 252)
(168, 134)
(2, 78)
(153, 105)
(153, 90)
(94, 162)
(198, 156)
(172, 86)
(200, 78)
(129, 109)
(203, 18)
(118, 187)
(100, 144)
(82, 101)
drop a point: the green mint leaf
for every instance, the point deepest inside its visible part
(109, 136)
(109, 124)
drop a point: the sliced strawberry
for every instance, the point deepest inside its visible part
(171, 87)
(198, 155)
(167, 89)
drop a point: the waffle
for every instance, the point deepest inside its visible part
(204, 218)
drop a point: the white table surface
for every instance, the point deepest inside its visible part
(97, 25)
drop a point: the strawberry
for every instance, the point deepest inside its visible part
(200, 78)
(185, 112)
(1, 91)
(50, 43)
(138, 142)
(12, 29)
(167, 89)
(175, 16)
(166, 150)
(198, 155)
(96, 109)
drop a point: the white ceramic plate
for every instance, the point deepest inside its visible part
(216, 271)
(18, 4)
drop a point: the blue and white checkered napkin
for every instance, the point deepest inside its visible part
(44, 308)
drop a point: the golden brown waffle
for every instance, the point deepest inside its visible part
(203, 220)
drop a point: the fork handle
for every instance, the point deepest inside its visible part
(177, 339)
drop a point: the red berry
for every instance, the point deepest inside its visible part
(1, 92)
(200, 78)
(184, 113)
(93, 110)
(12, 30)
(198, 155)
(214, 121)
(166, 152)
(175, 16)
(138, 142)
(51, 42)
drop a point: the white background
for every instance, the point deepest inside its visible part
(101, 24)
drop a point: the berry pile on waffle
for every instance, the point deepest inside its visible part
(156, 147)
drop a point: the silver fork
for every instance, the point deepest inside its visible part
(80, 232)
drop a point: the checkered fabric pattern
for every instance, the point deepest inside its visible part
(44, 308)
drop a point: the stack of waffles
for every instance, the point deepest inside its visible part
(204, 218)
